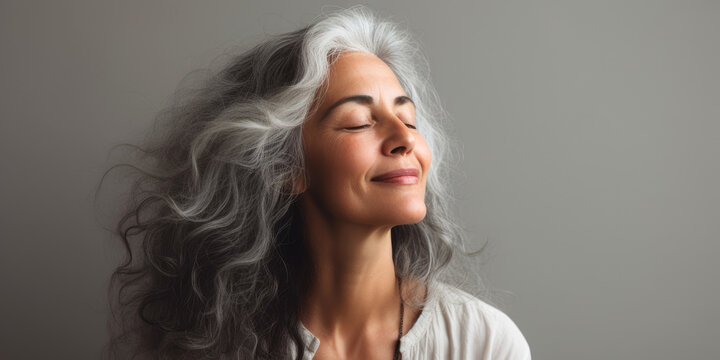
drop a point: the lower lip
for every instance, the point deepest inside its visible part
(409, 180)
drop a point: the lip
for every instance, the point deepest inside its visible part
(398, 175)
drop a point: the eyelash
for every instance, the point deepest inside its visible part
(366, 125)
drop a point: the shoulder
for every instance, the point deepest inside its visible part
(482, 323)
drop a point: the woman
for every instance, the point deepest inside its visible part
(289, 209)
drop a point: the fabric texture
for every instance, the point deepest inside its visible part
(454, 325)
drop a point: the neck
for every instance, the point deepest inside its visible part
(355, 289)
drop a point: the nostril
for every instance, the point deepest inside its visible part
(397, 149)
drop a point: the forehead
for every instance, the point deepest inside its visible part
(358, 72)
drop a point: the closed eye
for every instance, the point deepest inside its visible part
(368, 125)
(358, 127)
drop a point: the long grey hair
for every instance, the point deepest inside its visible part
(216, 264)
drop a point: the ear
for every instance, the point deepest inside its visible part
(298, 185)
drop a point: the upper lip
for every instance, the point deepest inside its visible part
(396, 173)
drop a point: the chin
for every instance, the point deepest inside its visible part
(410, 215)
(418, 218)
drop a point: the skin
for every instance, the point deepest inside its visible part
(353, 306)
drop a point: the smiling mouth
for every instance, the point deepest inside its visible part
(400, 176)
(408, 180)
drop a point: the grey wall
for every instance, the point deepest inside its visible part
(590, 130)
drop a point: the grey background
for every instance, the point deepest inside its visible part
(590, 132)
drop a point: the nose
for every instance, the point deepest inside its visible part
(399, 138)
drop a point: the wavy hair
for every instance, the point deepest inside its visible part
(215, 262)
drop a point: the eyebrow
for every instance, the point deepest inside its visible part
(366, 100)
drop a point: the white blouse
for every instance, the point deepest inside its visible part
(454, 325)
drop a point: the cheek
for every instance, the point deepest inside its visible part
(423, 154)
(339, 162)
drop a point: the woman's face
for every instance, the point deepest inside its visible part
(364, 128)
